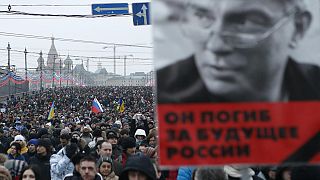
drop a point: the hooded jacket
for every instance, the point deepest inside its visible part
(60, 165)
(139, 162)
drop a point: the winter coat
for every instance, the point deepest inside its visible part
(44, 164)
(185, 173)
(111, 176)
(60, 165)
(17, 157)
(77, 176)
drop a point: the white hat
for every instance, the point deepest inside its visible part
(239, 171)
(19, 138)
(140, 132)
(118, 122)
(48, 124)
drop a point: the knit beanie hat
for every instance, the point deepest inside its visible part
(33, 141)
(104, 159)
(128, 142)
(139, 162)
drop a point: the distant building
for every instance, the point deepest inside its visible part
(56, 72)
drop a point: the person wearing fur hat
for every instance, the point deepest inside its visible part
(138, 166)
(112, 138)
(42, 158)
(128, 149)
(105, 168)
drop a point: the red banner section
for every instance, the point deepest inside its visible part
(241, 133)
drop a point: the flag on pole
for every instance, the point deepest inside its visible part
(51, 113)
(96, 106)
(121, 106)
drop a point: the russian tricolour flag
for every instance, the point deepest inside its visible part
(96, 106)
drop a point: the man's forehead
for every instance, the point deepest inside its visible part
(236, 5)
(87, 163)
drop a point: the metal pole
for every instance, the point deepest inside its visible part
(114, 59)
(60, 73)
(72, 76)
(41, 75)
(125, 66)
(25, 63)
(88, 64)
(8, 48)
(54, 64)
(68, 75)
(9, 82)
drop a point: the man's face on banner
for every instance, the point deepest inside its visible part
(240, 45)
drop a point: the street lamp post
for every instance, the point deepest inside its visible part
(125, 64)
(25, 63)
(114, 57)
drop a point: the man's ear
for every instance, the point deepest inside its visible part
(302, 24)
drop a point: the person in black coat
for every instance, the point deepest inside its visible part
(42, 158)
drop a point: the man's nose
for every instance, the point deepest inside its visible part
(216, 43)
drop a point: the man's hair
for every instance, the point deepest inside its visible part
(88, 158)
(299, 5)
(65, 136)
(205, 173)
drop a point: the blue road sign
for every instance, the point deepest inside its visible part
(141, 13)
(113, 8)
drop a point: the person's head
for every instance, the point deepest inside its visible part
(124, 133)
(32, 145)
(4, 173)
(64, 139)
(152, 138)
(283, 173)
(205, 173)
(138, 167)
(128, 145)
(19, 138)
(30, 172)
(112, 137)
(105, 166)
(76, 160)
(242, 47)
(15, 148)
(44, 147)
(272, 173)
(105, 149)
(126, 126)
(88, 169)
(140, 135)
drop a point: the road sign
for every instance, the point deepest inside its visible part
(141, 13)
(113, 8)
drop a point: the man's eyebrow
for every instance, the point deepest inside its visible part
(263, 14)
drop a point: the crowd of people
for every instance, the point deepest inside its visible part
(79, 144)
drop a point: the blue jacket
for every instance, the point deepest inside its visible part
(185, 173)
(60, 165)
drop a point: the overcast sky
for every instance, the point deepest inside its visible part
(119, 30)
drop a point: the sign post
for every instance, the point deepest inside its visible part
(141, 13)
